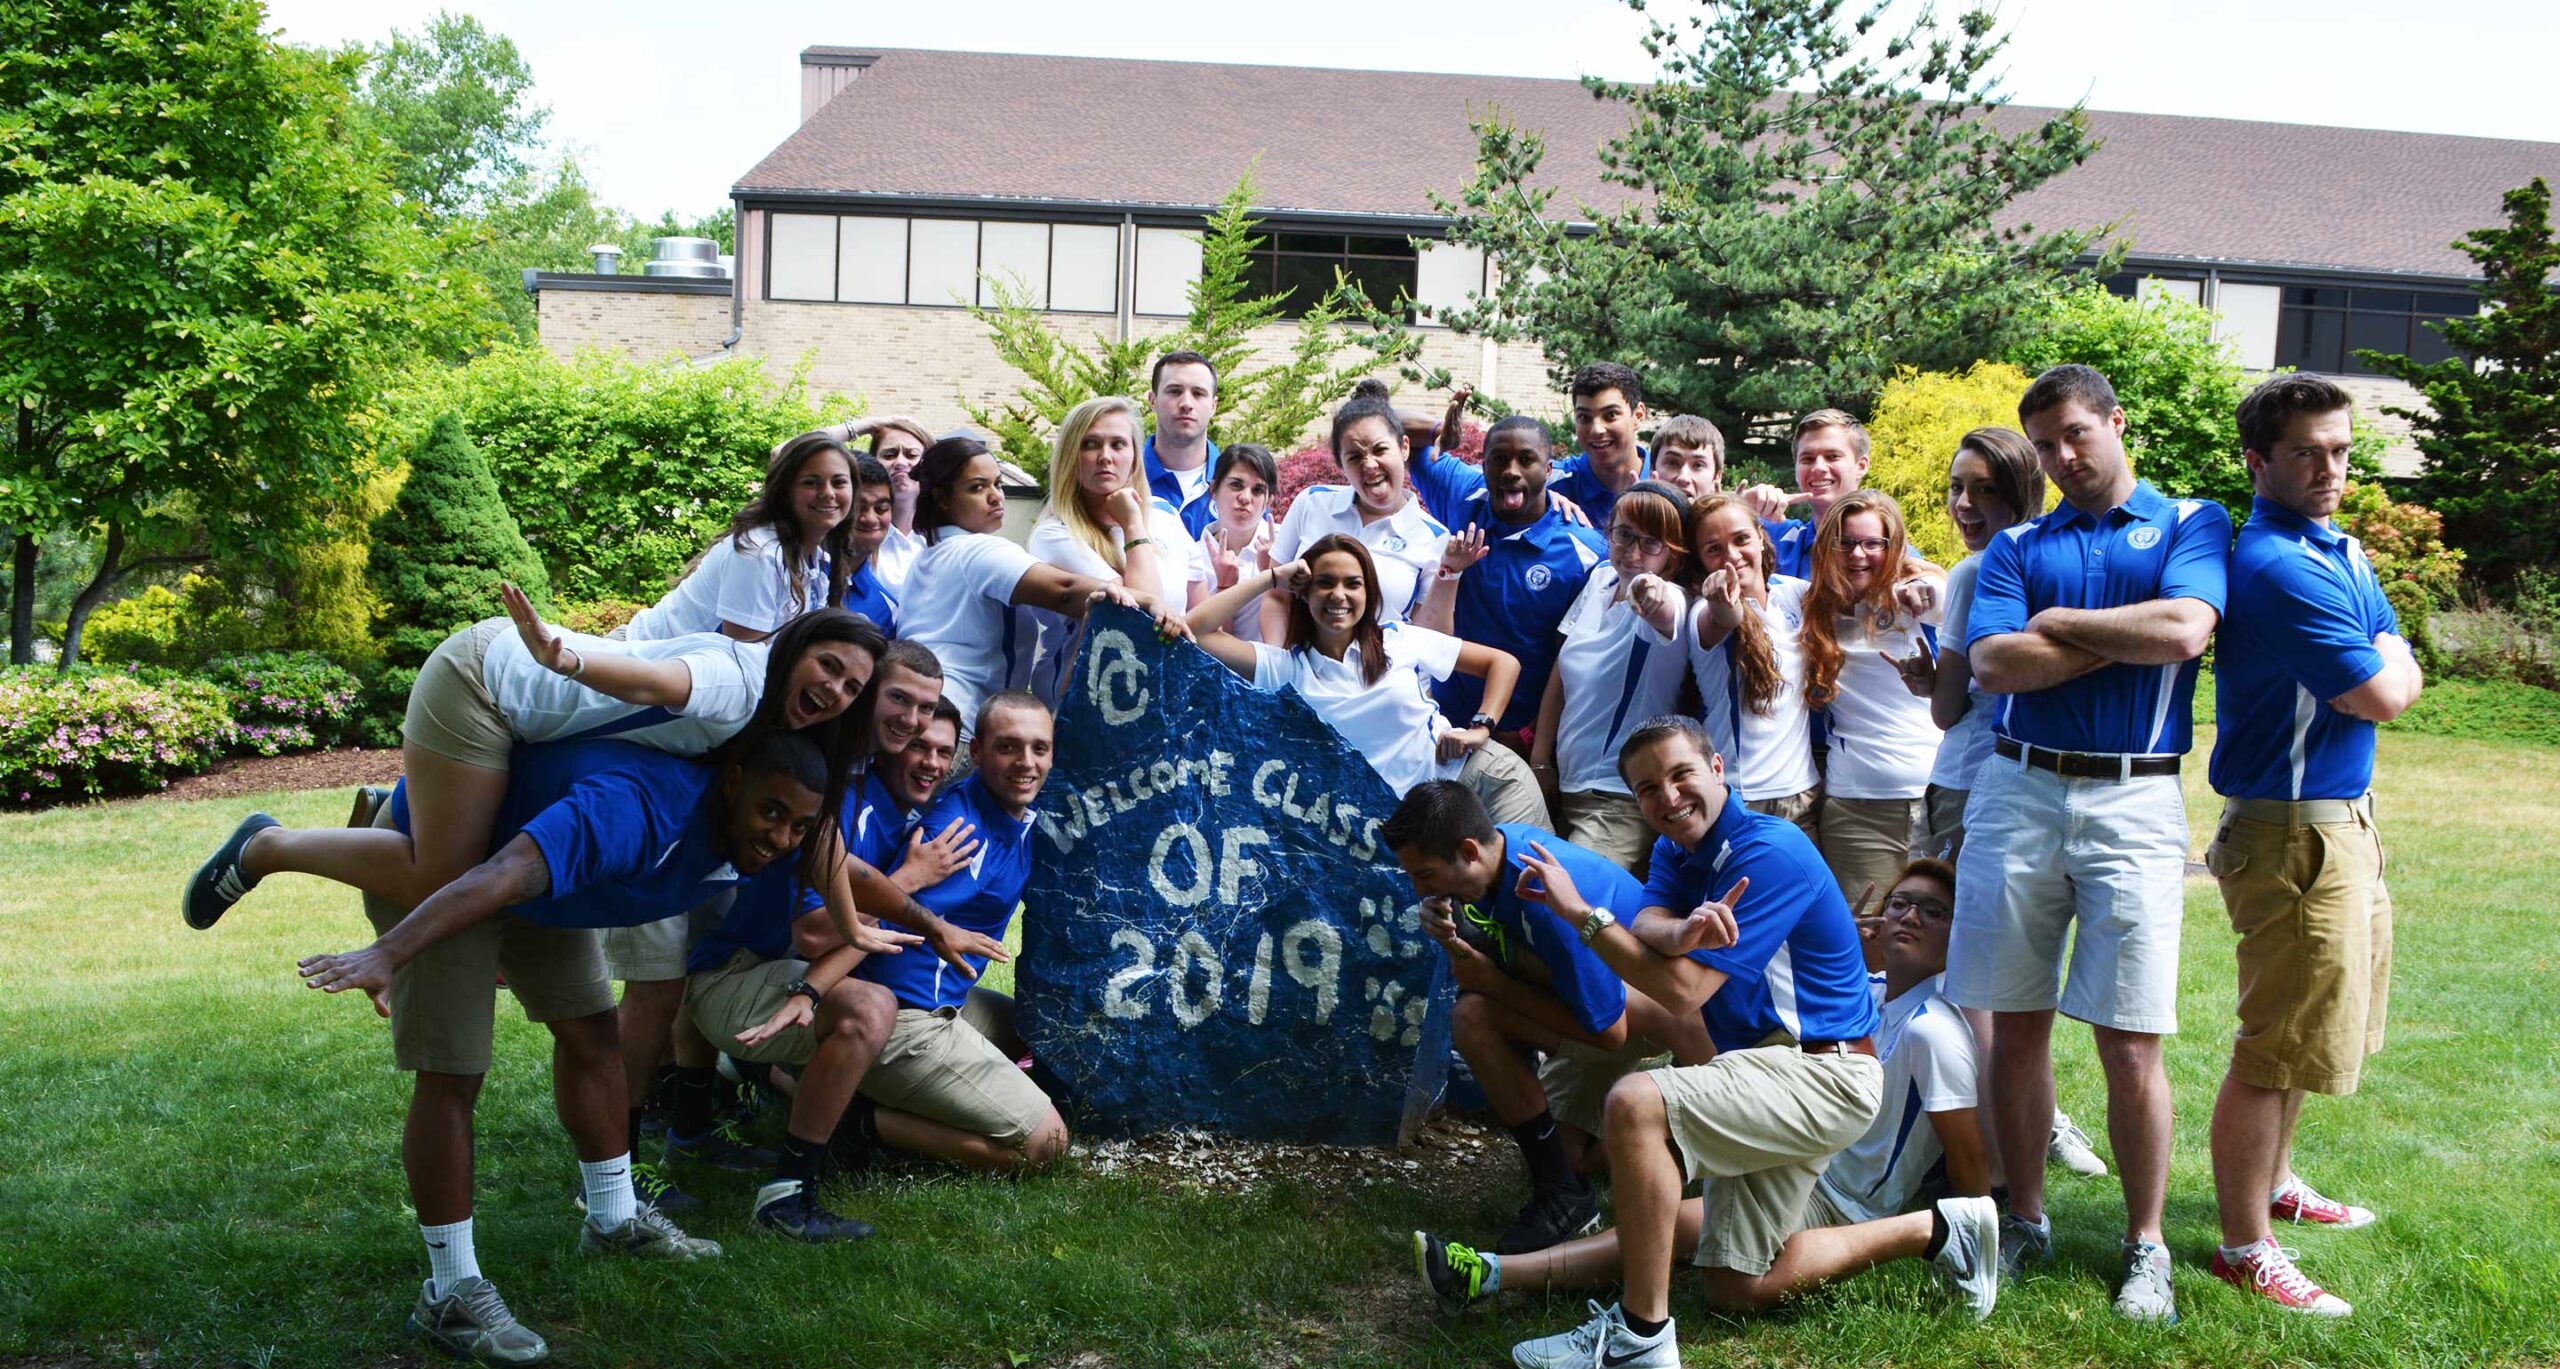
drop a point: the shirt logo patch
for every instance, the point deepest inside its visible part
(1392, 542)
(1540, 577)
(2143, 539)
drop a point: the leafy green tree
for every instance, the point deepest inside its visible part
(455, 103)
(447, 541)
(1804, 217)
(205, 284)
(1912, 437)
(2180, 388)
(2489, 439)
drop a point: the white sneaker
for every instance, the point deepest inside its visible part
(1604, 1342)
(2144, 1295)
(472, 1322)
(1970, 1260)
(2069, 1147)
(2297, 1201)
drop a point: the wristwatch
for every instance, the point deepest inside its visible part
(1601, 920)
(1484, 720)
(806, 989)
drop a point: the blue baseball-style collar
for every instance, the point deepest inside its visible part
(2146, 501)
(2285, 520)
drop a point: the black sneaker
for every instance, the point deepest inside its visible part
(1454, 1273)
(1552, 1217)
(369, 801)
(788, 1207)
(722, 1147)
(220, 882)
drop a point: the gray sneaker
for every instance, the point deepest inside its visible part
(649, 1235)
(472, 1322)
(2069, 1147)
(1603, 1340)
(2144, 1294)
(2021, 1241)
(1970, 1260)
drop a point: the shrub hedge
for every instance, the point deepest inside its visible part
(95, 733)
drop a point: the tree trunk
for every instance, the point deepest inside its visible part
(22, 601)
(93, 593)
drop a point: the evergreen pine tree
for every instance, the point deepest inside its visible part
(441, 550)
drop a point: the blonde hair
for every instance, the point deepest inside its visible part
(1066, 462)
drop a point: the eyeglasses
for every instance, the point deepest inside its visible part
(1620, 535)
(1896, 905)
(1873, 546)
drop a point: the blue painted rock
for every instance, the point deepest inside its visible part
(1212, 936)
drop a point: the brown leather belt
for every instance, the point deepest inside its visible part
(1864, 1045)
(2086, 765)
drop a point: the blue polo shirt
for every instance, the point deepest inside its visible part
(1575, 480)
(1791, 540)
(1445, 483)
(628, 832)
(1168, 487)
(2305, 609)
(980, 898)
(1588, 989)
(760, 919)
(2149, 547)
(1796, 965)
(1515, 599)
(866, 595)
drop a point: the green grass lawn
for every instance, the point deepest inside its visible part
(199, 1164)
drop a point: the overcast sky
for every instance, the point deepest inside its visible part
(667, 104)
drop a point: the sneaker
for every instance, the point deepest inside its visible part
(787, 1206)
(220, 882)
(1454, 1273)
(1969, 1262)
(472, 1322)
(1602, 1341)
(2069, 1147)
(1552, 1216)
(2299, 1202)
(2268, 1270)
(2144, 1294)
(2020, 1241)
(369, 799)
(722, 1147)
(649, 1235)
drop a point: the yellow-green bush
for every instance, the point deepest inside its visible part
(1919, 419)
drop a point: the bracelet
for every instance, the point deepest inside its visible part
(1136, 542)
(581, 668)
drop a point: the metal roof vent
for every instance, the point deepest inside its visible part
(696, 258)
(607, 258)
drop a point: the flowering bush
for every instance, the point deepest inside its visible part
(287, 700)
(1315, 466)
(599, 617)
(97, 733)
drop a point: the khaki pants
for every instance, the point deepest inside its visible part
(451, 711)
(1804, 810)
(942, 1066)
(742, 993)
(1610, 825)
(2314, 922)
(1866, 842)
(1504, 781)
(1577, 1079)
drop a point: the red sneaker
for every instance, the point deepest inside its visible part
(2298, 1202)
(2267, 1269)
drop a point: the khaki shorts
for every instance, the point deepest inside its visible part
(1867, 841)
(2314, 921)
(1758, 1126)
(942, 1067)
(1610, 825)
(444, 1003)
(742, 993)
(1946, 823)
(657, 951)
(1804, 810)
(1504, 781)
(1577, 1079)
(451, 711)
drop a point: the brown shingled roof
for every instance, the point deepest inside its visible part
(961, 125)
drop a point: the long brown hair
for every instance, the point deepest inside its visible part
(1365, 634)
(1754, 659)
(771, 508)
(1830, 599)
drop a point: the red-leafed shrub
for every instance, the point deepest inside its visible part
(1316, 466)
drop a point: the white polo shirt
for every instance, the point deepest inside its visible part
(1766, 755)
(1929, 1066)
(1179, 558)
(1254, 560)
(542, 705)
(1391, 723)
(1405, 544)
(959, 605)
(1616, 672)
(1964, 747)
(743, 584)
(896, 556)
(1882, 739)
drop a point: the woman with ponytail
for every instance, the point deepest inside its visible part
(1750, 674)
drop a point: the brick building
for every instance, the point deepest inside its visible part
(914, 174)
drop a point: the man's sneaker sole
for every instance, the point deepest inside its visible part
(218, 884)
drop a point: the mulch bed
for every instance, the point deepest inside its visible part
(342, 768)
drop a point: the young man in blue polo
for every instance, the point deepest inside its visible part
(1511, 571)
(2311, 660)
(1608, 407)
(1831, 460)
(1182, 391)
(1525, 984)
(2086, 624)
(1739, 922)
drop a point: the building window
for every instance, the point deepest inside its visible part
(869, 259)
(2320, 328)
(1300, 267)
(1168, 263)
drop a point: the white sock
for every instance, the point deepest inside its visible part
(610, 1201)
(450, 1258)
(2237, 1253)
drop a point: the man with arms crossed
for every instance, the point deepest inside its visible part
(2311, 660)
(2088, 620)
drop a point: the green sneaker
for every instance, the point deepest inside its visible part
(649, 1235)
(472, 1322)
(1454, 1273)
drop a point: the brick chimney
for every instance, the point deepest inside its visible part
(825, 71)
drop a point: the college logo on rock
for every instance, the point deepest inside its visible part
(2143, 539)
(1540, 577)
